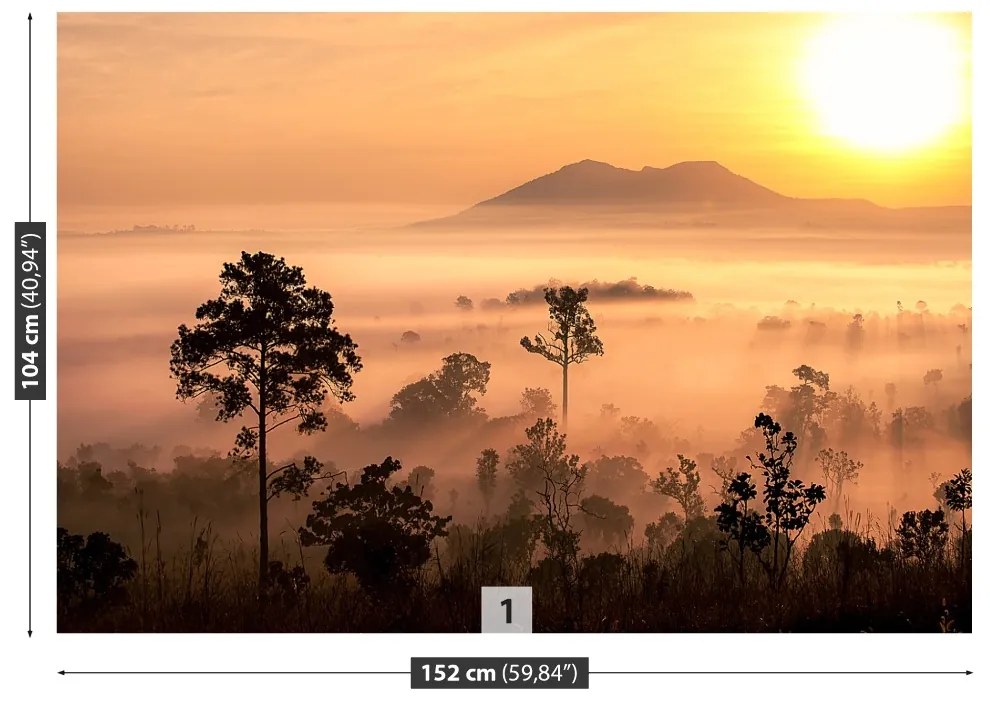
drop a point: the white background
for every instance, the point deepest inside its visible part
(29, 667)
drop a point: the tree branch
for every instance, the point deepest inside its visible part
(272, 428)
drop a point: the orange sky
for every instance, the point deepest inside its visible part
(199, 109)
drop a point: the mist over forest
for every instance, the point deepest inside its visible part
(858, 343)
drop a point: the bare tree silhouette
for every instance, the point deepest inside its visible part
(838, 468)
(542, 465)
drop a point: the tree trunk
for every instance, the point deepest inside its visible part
(742, 548)
(563, 409)
(262, 485)
(262, 508)
(962, 546)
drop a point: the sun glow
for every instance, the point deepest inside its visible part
(886, 83)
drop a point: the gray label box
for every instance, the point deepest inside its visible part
(30, 277)
(506, 610)
(560, 673)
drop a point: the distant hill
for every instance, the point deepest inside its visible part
(591, 182)
(690, 194)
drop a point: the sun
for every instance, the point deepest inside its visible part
(886, 82)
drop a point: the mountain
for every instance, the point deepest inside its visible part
(593, 183)
(696, 193)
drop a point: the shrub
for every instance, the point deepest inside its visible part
(92, 571)
(381, 535)
(923, 535)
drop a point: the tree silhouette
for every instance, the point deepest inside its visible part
(380, 534)
(410, 337)
(571, 339)
(537, 403)
(267, 344)
(837, 556)
(604, 520)
(609, 412)
(543, 466)
(91, 571)
(421, 481)
(487, 466)
(810, 400)
(725, 468)
(519, 531)
(614, 475)
(933, 378)
(854, 332)
(909, 426)
(639, 433)
(682, 485)
(661, 533)
(92, 484)
(286, 584)
(959, 497)
(464, 303)
(745, 526)
(853, 418)
(837, 470)
(788, 503)
(444, 395)
(923, 535)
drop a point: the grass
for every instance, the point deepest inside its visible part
(692, 585)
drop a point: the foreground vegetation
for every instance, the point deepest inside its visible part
(840, 583)
(391, 564)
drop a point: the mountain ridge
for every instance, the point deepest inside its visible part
(705, 189)
(600, 182)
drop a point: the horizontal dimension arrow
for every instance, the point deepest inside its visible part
(781, 672)
(233, 672)
(591, 672)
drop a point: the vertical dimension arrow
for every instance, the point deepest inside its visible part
(30, 22)
(29, 320)
(30, 476)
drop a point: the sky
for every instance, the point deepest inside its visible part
(166, 110)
